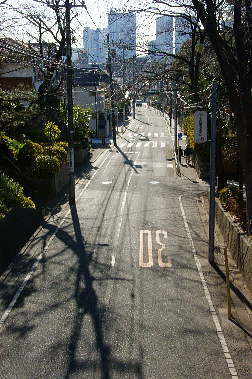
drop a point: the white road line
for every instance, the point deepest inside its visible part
(154, 144)
(156, 135)
(130, 144)
(39, 257)
(119, 225)
(149, 134)
(215, 318)
(162, 135)
(163, 144)
(112, 260)
(147, 144)
(138, 144)
(169, 165)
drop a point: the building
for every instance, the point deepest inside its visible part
(164, 34)
(94, 43)
(171, 33)
(89, 89)
(122, 33)
(182, 32)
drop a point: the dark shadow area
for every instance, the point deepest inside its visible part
(139, 134)
(191, 180)
(241, 326)
(236, 290)
(127, 160)
(15, 231)
(87, 303)
(142, 122)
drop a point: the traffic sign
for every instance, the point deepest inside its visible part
(200, 126)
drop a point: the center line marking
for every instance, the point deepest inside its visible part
(113, 261)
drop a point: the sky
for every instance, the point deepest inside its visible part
(95, 17)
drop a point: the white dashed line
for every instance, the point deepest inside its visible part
(215, 318)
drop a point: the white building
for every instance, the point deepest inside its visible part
(122, 33)
(94, 43)
(171, 33)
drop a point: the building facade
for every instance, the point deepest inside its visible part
(122, 33)
(94, 43)
(164, 34)
(171, 33)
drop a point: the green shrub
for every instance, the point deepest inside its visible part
(45, 165)
(9, 146)
(81, 117)
(58, 150)
(12, 195)
(51, 131)
(28, 153)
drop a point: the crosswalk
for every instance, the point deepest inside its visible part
(139, 144)
(146, 134)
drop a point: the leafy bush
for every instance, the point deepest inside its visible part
(45, 165)
(28, 153)
(58, 150)
(51, 131)
(12, 195)
(232, 201)
(188, 129)
(81, 117)
(9, 146)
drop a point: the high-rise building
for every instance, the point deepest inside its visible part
(171, 33)
(164, 33)
(94, 43)
(183, 32)
(122, 33)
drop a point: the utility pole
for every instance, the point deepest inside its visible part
(70, 125)
(111, 91)
(212, 173)
(69, 84)
(134, 90)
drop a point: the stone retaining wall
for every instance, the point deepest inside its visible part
(237, 243)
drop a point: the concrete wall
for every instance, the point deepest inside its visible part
(238, 244)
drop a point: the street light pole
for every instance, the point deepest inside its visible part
(69, 84)
(212, 173)
(70, 125)
(111, 91)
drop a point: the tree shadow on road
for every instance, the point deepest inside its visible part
(127, 160)
(87, 303)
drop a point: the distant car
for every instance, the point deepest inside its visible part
(138, 103)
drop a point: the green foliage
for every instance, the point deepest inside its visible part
(9, 146)
(45, 165)
(188, 129)
(17, 108)
(51, 131)
(81, 118)
(29, 152)
(232, 201)
(58, 150)
(12, 195)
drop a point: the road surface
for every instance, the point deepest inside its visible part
(119, 286)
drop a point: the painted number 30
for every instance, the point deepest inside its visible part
(144, 255)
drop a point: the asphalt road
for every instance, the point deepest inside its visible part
(119, 286)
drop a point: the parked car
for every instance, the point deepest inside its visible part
(138, 103)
